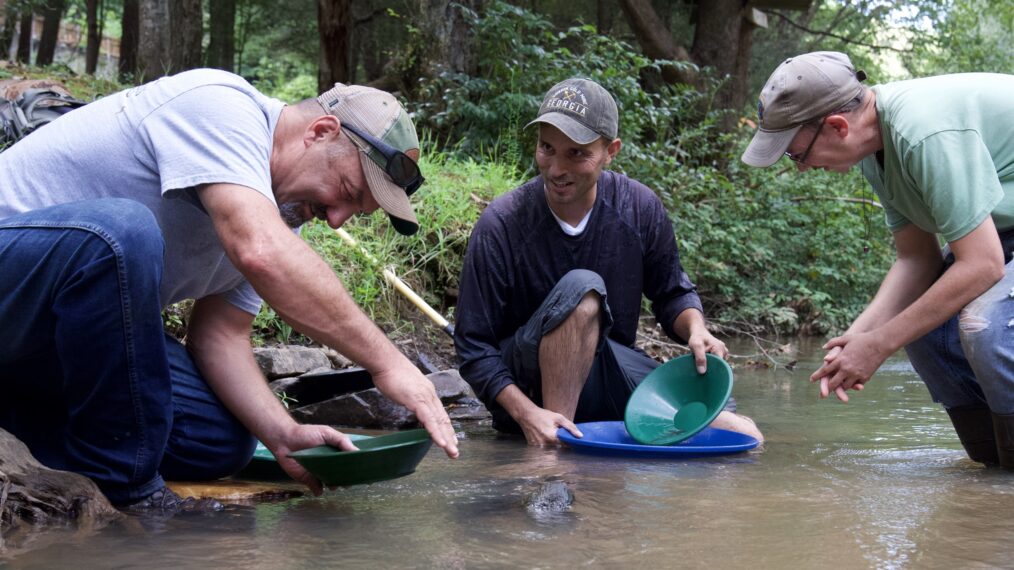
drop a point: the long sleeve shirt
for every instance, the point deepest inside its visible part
(518, 252)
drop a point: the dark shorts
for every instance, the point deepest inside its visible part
(614, 374)
(616, 370)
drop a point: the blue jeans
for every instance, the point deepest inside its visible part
(89, 380)
(969, 360)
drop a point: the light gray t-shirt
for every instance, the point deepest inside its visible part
(153, 144)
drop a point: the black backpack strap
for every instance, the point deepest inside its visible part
(41, 106)
(12, 123)
(31, 110)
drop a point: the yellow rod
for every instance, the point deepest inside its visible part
(400, 285)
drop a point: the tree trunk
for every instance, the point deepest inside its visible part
(94, 17)
(656, 40)
(368, 46)
(447, 27)
(334, 20)
(152, 40)
(716, 43)
(222, 24)
(186, 26)
(722, 41)
(245, 16)
(373, 61)
(128, 41)
(604, 16)
(460, 48)
(741, 72)
(25, 36)
(10, 26)
(52, 13)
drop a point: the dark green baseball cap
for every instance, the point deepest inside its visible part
(582, 109)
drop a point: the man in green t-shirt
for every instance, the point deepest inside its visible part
(939, 152)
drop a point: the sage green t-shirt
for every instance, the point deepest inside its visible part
(948, 153)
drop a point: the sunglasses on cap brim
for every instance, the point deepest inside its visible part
(400, 167)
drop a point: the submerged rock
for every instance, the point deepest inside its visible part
(553, 496)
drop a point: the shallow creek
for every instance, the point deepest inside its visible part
(878, 483)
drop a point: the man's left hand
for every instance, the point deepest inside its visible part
(410, 388)
(304, 436)
(851, 361)
(703, 343)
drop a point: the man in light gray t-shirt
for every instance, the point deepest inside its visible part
(188, 187)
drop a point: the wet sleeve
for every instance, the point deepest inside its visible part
(481, 311)
(666, 284)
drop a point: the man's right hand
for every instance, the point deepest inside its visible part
(407, 386)
(307, 294)
(540, 426)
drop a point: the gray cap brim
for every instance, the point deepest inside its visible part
(768, 146)
(574, 130)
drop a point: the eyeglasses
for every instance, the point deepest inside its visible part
(400, 167)
(801, 158)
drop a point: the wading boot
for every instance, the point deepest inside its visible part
(167, 503)
(974, 425)
(1003, 425)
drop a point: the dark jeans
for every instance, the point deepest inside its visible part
(89, 381)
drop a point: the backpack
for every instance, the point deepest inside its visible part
(26, 105)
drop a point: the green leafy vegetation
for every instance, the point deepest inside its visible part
(85, 87)
(455, 193)
(771, 249)
(969, 35)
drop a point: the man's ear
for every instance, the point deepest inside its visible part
(839, 123)
(322, 128)
(612, 149)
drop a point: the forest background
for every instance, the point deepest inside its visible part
(773, 252)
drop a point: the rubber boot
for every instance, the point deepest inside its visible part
(975, 430)
(1003, 426)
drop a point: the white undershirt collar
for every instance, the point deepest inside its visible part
(569, 229)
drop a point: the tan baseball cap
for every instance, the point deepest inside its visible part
(801, 89)
(381, 116)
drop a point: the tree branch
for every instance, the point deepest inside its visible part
(864, 201)
(836, 36)
(656, 40)
(358, 21)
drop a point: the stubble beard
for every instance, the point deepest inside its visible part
(292, 214)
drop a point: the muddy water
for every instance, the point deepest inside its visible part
(878, 483)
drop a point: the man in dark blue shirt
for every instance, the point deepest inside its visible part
(552, 281)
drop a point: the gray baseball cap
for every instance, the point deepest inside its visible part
(582, 109)
(801, 89)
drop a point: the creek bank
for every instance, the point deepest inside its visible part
(33, 495)
(320, 386)
(317, 385)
